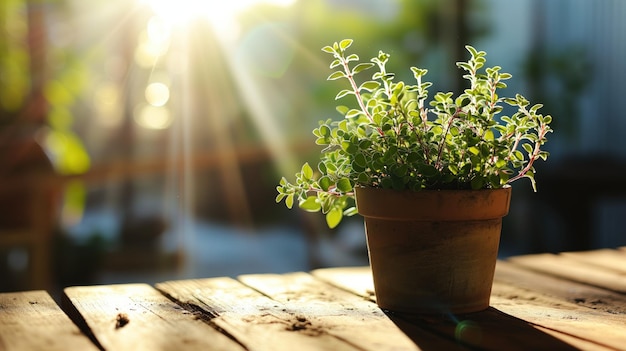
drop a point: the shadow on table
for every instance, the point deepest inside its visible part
(487, 330)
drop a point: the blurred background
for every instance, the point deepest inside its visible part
(142, 140)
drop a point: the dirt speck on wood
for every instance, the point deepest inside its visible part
(121, 320)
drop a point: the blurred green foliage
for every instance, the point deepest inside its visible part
(40, 83)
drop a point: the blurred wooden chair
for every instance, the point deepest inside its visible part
(28, 207)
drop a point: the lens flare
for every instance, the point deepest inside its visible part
(157, 94)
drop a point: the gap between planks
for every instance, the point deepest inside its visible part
(138, 317)
(488, 330)
(268, 317)
(533, 297)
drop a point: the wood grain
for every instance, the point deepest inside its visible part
(31, 320)
(344, 315)
(574, 297)
(606, 258)
(567, 301)
(587, 325)
(491, 329)
(138, 317)
(574, 270)
(594, 298)
(254, 320)
(578, 294)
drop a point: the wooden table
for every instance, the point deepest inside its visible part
(567, 301)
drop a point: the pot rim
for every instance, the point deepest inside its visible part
(450, 205)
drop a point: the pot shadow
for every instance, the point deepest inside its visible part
(491, 329)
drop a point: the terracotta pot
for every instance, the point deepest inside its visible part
(433, 251)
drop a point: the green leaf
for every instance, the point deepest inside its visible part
(535, 108)
(352, 57)
(501, 163)
(325, 183)
(362, 67)
(322, 141)
(386, 183)
(429, 170)
(324, 130)
(353, 113)
(344, 185)
(343, 93)
(453, 169)
(349, 147)
(321, 166)
(369, 86)
(310, 204)
(334, 217)
(363, 178)
(336, 75)
(289, 201)
(400, 171)
(397, 183)
(477, 183)
(342, 109)
(344, 44)
(418, 72)
(471, 50)
(307, 171)
(365, 144)
(357, 167)
(489, 135)
(351, 211)
(360, 160)
(280, 197)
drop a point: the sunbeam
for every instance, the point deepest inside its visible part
(200, 74)
(221, 14)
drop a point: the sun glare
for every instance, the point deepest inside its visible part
(220, 13)
(173, 16)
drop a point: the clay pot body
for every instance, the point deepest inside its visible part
(433, 251)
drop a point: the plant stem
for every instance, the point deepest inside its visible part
(443, 140)
(533, 157)
(357, 94)
(355, 88)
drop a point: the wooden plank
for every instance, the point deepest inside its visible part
(490, 330)
(592, 297)
(557, 314)
(588, 326)
(138, 317)
(589, 313)
(344, 315)
(578, 343)
(254, 320)
(574, 270)
(606, 258)
(357, 280)
(32, 321)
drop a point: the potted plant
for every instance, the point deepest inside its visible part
(430, 177)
